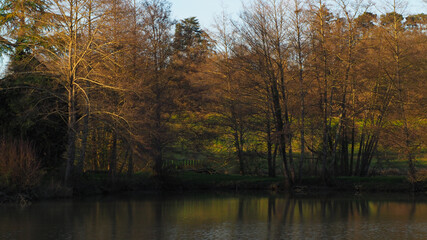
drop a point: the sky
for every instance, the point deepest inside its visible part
(205, 10)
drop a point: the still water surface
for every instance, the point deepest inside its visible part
(218, 216)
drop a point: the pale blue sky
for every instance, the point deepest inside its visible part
(205, 10)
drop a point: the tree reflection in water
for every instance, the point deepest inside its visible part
(217, 216)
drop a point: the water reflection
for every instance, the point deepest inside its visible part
(217, 216)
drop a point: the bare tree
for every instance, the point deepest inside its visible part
(263, 32)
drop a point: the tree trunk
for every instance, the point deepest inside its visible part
(71, 77)
(113, 159)
(279, 127)
(130, 163)
(353, 130)
(85, 133)
(239, 152)
(344, 154)
(158, 161)
(71, 150)
(271, 169)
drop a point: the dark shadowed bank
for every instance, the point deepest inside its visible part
(98, 183)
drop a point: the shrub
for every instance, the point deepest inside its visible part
(420, 176)
(391, 172)
(19, 168)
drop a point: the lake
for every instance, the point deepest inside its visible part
(218, 216)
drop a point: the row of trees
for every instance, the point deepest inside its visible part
(348, 79)
(112, 71)
(114, 84)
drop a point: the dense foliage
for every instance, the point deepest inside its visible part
(292, 87)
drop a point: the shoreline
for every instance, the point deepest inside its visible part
(190, 181)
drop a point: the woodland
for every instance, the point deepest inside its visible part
(292, 88)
